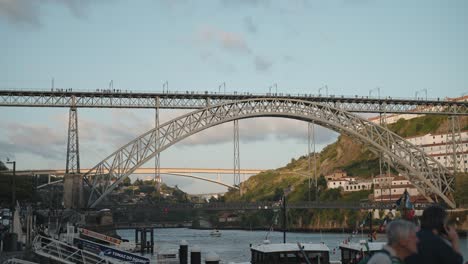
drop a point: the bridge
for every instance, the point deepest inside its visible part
(432, 179)
(181, 172)
(217, 206)
(60, 172)
(196, 100)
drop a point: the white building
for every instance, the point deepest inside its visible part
(391, 188)
(350, 184)
(439, 146)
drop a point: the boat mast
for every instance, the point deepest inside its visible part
(284, 218)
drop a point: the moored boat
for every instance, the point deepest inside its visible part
(290, 253)
(353, 252)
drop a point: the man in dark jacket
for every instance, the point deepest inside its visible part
(432, 249)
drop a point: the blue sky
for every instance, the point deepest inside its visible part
(350, 46)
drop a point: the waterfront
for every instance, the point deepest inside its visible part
(233, 245)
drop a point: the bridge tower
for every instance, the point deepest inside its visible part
(237, 179)
(73, 181)
(454, 146)
(311, 149)
(157, 158)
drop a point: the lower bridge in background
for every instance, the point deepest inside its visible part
(213, 206)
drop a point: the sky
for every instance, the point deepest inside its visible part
(353, 47)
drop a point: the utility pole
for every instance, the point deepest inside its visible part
(284, 218)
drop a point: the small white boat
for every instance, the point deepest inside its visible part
(215, 233)
(353, 252)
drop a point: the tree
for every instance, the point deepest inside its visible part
(3, 167)
(127, 182)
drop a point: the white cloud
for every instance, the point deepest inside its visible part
(229, 41)
(28, 12)
(37, 139)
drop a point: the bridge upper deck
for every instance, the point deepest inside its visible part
(195, 100)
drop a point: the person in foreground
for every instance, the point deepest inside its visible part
(439, 242)
(402, 242)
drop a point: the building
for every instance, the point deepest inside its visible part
(391, 187)
(440, 147)
(349, 184)
(336, 175)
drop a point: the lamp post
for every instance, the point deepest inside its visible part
(276, 88)
(13, 191)
(222, 85)
(326, 90)
(378, 92)
(286, 191)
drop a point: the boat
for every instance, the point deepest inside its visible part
(215, 233)
(354, 252)
(313, 253)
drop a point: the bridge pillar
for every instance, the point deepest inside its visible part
(73, 152)
(237, 180)
(73, 191)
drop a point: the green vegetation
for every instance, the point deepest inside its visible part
(461, 189)
(3, 167)
(418, 126)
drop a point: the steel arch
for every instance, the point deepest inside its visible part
(431, 178)
(202, 178)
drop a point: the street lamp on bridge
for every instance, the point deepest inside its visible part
(378, 92)
(276, 88)
(222, 85)
(417, 92)
(323, 87)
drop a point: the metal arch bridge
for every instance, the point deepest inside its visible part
(166, 173)
(150, 171)
(431, 178)
(196, 100)
(203, 179)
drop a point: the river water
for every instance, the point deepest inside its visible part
(233, 245)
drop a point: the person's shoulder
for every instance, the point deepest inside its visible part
(380, 258)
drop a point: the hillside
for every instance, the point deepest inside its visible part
(345, 154)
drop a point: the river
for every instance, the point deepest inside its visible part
(233, 245)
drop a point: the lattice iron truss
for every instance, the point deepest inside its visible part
(431, 178)
(157, 158)
(454, 147)
(237, 176)
(73, 150)
(194, 100)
